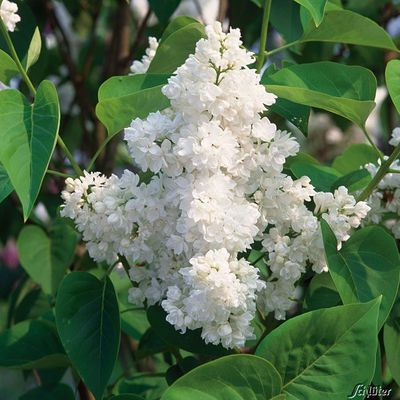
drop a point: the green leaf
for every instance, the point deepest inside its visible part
(32, 306)
(285, 18)
(164, 9)
(391, 340)
(355, 157)
(354, 29)
(322, 353)
(316, 9)
(175, 48)
(59, 391)
(189, 341)
(8, 68)
(28, 137)
(322, 177)
(345, 90)
(5, 184)
(176, 24)
(124, 98)
(31, 344)
(26, 37)
(366, 266)
(321, 293)
(354, 181)
(148, 387)
(236, 377)
(295, 113)
(45, 257)
(127, 397)
(392, 75)
(133, 320)
(151, 343)
(88, 323)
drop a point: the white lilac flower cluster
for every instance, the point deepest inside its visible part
(8, 13)
(385, 200)
(218, 187)
(140, 67)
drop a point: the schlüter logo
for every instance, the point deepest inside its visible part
(368, 391)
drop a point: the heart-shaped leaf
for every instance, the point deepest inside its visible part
(31, 344)
(345, 90)
(367, 266)
(322, 353)
(28, 136)
(88, 323)
(45, 257)
(236, 377)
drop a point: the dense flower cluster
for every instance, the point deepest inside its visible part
(385, 200)
(218, 187)
(8, 13)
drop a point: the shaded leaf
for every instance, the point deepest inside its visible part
(321, 293)
(354, 181)
(45, 257)
(31, 344)
(189, 341)
(297, 114)
(87, 318)
(59, 392)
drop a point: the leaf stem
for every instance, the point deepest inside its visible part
(15, 57)
(371, 142)
(264, 35)
(279, 49)
(98, 152)
(70, 157)
(57, 173)
(382, 171)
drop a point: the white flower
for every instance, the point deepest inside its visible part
(141, 67)
(218, 187)
(8, 13)
(395, 139)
